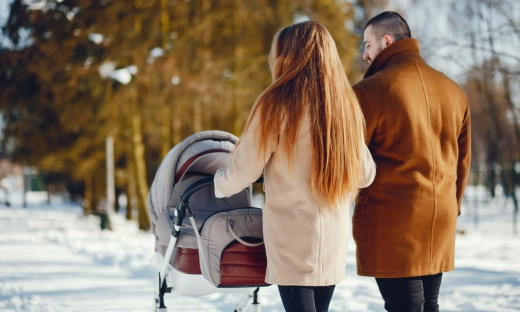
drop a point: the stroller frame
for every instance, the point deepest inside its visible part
(180, 214)
(186, 169)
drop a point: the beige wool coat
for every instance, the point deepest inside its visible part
(306, 243)
(418, 131)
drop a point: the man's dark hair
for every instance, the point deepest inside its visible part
(389, 23)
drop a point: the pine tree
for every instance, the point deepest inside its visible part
(199, 64)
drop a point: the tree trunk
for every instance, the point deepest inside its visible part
(118, 192)
(205, 111)
(166, 109)
(197, 114)
(506, 82)
(87, 201)
(100, 203)
(98, 188)
(177, 123)
(165, 24)
(237, 72)
(166, 130)
(138, 22)
(140, 172)
(131, 187)
(25, 184)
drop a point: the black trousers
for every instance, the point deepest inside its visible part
(306, 298)
(411, 294)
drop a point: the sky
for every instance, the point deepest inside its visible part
(4, 13)
(4, 10)
(444, 34)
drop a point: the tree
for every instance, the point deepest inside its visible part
(148, 73)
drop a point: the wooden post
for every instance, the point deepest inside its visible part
(110, 174)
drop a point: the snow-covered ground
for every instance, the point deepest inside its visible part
(54, 259)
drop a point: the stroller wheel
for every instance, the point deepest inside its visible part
(255, 306)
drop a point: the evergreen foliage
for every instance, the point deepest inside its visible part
(194, 65)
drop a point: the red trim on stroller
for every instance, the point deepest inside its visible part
(190, 161)
(186, 260)
(240, 265)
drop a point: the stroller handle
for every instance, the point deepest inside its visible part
(180, 211)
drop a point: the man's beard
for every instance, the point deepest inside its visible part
(379, 49)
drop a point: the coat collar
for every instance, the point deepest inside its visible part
(404, 46)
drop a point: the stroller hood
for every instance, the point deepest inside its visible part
(179, 159)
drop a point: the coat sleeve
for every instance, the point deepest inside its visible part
(368, 108)
(369, 168)
(246, 164)
(463, 165)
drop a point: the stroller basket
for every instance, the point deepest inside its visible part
(230, 249)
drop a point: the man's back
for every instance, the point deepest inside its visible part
(418, 133)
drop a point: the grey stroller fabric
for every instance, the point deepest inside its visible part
(165, 191)
(219, 231)
(160, 196)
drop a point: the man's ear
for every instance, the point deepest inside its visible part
(387, 40)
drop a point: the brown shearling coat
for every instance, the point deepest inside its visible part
(418, 131)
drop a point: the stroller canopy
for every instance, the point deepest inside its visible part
(199, 155)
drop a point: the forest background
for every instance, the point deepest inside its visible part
(79, 78)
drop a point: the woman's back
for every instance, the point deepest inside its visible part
(306, 135)
(306, 242)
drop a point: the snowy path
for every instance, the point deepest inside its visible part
(53, 259)
(41, 272)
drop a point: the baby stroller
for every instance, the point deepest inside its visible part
(204, 244)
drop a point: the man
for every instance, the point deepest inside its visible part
(418, 130)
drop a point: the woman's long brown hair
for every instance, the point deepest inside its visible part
(308, 77)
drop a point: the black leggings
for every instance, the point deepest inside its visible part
(306, 298)
(411, 294)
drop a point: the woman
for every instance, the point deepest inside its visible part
(306, 135)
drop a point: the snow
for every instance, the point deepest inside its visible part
(154, 53)
(95, 37)
(122, 75)
(52, 258)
